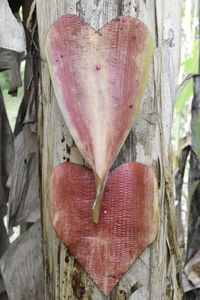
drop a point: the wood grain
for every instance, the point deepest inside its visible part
(154, 275)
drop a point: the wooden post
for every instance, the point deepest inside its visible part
(155, 274)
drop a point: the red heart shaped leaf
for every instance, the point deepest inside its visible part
(128, 222)
(99, 79)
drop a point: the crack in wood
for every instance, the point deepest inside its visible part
(79, 9)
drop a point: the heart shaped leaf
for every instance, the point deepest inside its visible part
(128, 222)
(99, 79)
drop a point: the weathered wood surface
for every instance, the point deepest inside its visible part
(154, 275)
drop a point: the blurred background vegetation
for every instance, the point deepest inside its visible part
(12, 103)
(189, 65)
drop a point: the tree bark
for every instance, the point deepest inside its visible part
(155, 274)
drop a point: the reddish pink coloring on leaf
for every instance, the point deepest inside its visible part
(99, 107)
(108, 249)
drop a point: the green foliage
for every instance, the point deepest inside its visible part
(4, 79)
(12, 105)
(190, 65)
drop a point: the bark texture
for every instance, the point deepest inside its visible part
(155, 274)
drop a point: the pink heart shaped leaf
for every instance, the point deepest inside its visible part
(99, 79)
(128, 222)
